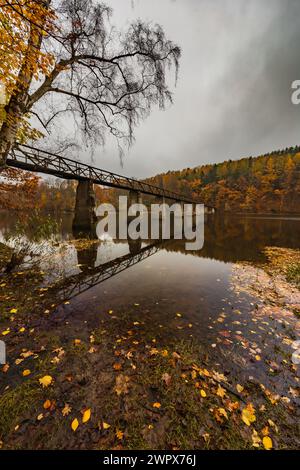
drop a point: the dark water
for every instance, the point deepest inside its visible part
(174, 292)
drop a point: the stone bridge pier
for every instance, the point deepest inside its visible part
(85, 218)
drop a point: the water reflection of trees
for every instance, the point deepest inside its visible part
(228, 239)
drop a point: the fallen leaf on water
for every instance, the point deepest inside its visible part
(26, 372)
(46, 380)
(267, 442)
(86, 415)
(75, 424)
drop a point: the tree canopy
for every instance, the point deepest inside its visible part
(64, 56)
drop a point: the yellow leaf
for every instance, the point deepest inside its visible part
(239, 388)
(221, 391)
(21, 330)
(86, 415)
(203, 393)
(248, 414)
(75, 424)
(47, 404)
(265, 431)
(105, 425)
(46, 380)
(6, 332)
(119, 434)
(14, 310)
(156, 405)
(223, 412)
(77, 342)
(267, 442)
(66, 410)
(26, 372)
(258, 358)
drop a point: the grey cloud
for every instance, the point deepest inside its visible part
(233, 95)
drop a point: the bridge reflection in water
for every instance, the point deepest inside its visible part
(227, 239)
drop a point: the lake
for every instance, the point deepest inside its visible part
(174, 293)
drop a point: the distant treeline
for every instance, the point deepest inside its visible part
(268, 183)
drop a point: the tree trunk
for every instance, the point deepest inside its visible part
(17, 106)
(9, 129)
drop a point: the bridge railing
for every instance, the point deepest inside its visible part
(41, 161)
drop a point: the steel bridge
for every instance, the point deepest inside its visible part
(36, 160)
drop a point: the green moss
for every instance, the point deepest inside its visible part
(293, 274)
(15, 405)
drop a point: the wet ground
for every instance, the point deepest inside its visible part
(152, 346)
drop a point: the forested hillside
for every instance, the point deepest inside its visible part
(268, 183)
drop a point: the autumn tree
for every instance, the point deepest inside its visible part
(104, 80)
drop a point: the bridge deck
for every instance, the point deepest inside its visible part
(32, 159)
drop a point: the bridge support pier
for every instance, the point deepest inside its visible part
(135, 197)
(85, 218)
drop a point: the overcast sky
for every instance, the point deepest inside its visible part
(233, 97)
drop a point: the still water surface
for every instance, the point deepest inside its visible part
(176, 293)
